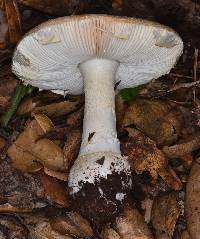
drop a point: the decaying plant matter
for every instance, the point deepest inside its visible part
(157, 126)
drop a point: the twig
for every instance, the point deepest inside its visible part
(180, 76)
(184, 85)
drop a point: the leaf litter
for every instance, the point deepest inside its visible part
(43, 137)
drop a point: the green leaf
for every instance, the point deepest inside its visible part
(20, 92)
(129, 94)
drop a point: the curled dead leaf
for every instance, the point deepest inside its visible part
(109, 233)
(131, 224)
(192, 207)
(170, 178)
(72, 147)
(185, 235)
(4, 26)
(44, 122)
(143, 154)
(2, 143)
(60, 108)
(179, 150)
(28, 153)
(165, 213)
(43, 230)
(121, 108)
(14, 20)
(55, 190)
(163, 123)
(55, 174)
(72, 224)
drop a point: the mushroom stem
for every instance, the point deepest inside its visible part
(99, 126)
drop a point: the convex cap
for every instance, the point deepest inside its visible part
(48, 56)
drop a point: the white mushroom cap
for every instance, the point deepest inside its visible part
(48, 57)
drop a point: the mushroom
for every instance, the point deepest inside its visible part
(90, 54)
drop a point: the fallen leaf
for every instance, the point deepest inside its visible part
(55, 174)
(192, 196)
(26, 106)
(27, 151)
(165, 213)
(60, 108)
(109, 233)
(143, 154)
(72, 147)
(55, 190)
(181, 149)
(131, 225)
(163, 123)
(2, 143)
(43, 230)
(14, 21)
(185, 235)
(72, 224)
(4, 26)
(120, 109)
(44, 122)
(170, 178)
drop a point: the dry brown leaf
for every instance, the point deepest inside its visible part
(54, 190)
(165, 213)
(179, 150)
(109, 233)
(43, 230)
(73, 224)
(26, 106)
(3, 26)
(192, 207)
(14, 21)
(131, 225)
(143, 154)
(120, 108)
(2, 143)
(44, 122)
(163, 123)
(61, 108)
(23, 160)
(170, 178)
(26, 152)
(48, 154)
(72, 146)
(55, 174)
(185, 235)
